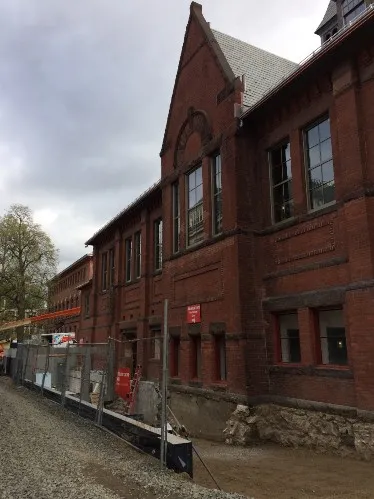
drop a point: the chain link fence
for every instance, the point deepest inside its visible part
(84, 378)
(79, 374)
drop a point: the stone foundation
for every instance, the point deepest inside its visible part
(301, 428)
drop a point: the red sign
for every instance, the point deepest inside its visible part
(193, 314)
(123, 382)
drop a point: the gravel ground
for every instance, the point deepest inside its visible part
(46, 452)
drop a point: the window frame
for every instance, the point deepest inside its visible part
(112, 268)
(176, 216)
(220, 348)
(285, 141)
(156, 337)
(190, 244)
(128, 259)
(175, 356)
(319, 347)
(196, 357)
(157, 244)
(278, 338)
(104, 271)
(87, 305)
(216, 231)
(137, 254)
(305, 130)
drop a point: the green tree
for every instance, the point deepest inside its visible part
(28, 261)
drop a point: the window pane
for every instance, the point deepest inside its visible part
(287, 152)
(329, 192)
(191, 181)
(282, 183)
(290, 341)
(277, 175)
(276, 157)
(316, 198)
(199, 193)
(314, 156)
(199, 176)
(328, 172)
(313, 136)
(315, 176)
(324, 130)
(287, 191)
(192, 198)
(333, 338)
(326, 150)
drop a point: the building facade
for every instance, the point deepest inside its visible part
(64, 293)
(258, 233)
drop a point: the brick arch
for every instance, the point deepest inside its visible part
(197, 128)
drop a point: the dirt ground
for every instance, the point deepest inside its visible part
(271, 472)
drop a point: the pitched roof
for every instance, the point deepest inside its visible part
(263, 70)
(331, 12)
(134, 204)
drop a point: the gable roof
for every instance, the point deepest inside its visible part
(330, 13)
(263, 70)
(155, 188)
(196, 13)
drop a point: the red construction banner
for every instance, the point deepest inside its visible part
(123, 382)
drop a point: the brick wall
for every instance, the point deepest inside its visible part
(255, 270)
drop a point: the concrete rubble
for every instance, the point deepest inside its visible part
(300, 428)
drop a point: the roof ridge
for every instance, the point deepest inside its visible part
(253, 46)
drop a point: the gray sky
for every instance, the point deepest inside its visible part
(85, 88)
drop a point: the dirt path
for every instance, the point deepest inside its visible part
(49, 453)
(276, 473)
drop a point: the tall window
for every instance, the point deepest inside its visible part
(104, 271)
(155, 352)
(138, 254)
(175, 343)
(111, 266)
(195, 206)
(220, 348)
(176, 217)
(87, 305)
(128, 258)
(289, 338)
(281, 177)
(217, 194)
(158, 244)
(321, 182)
(351, 9)
(333, 339)
(195, 357)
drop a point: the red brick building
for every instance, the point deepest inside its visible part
(64, 292)
(260, 223)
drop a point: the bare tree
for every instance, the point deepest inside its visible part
(28, 260)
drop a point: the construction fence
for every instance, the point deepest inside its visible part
(86, 379)
(84, 372)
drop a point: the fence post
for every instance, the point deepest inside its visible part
(104, 379)
(86, 376)
(46, 366)
(26, 362)
(64, 381)
(35, 367)
(164, 422)
(110, 371)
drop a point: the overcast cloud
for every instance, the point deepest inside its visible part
(85, 87)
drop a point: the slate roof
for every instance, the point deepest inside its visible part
(331, 12)
(262, 70)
